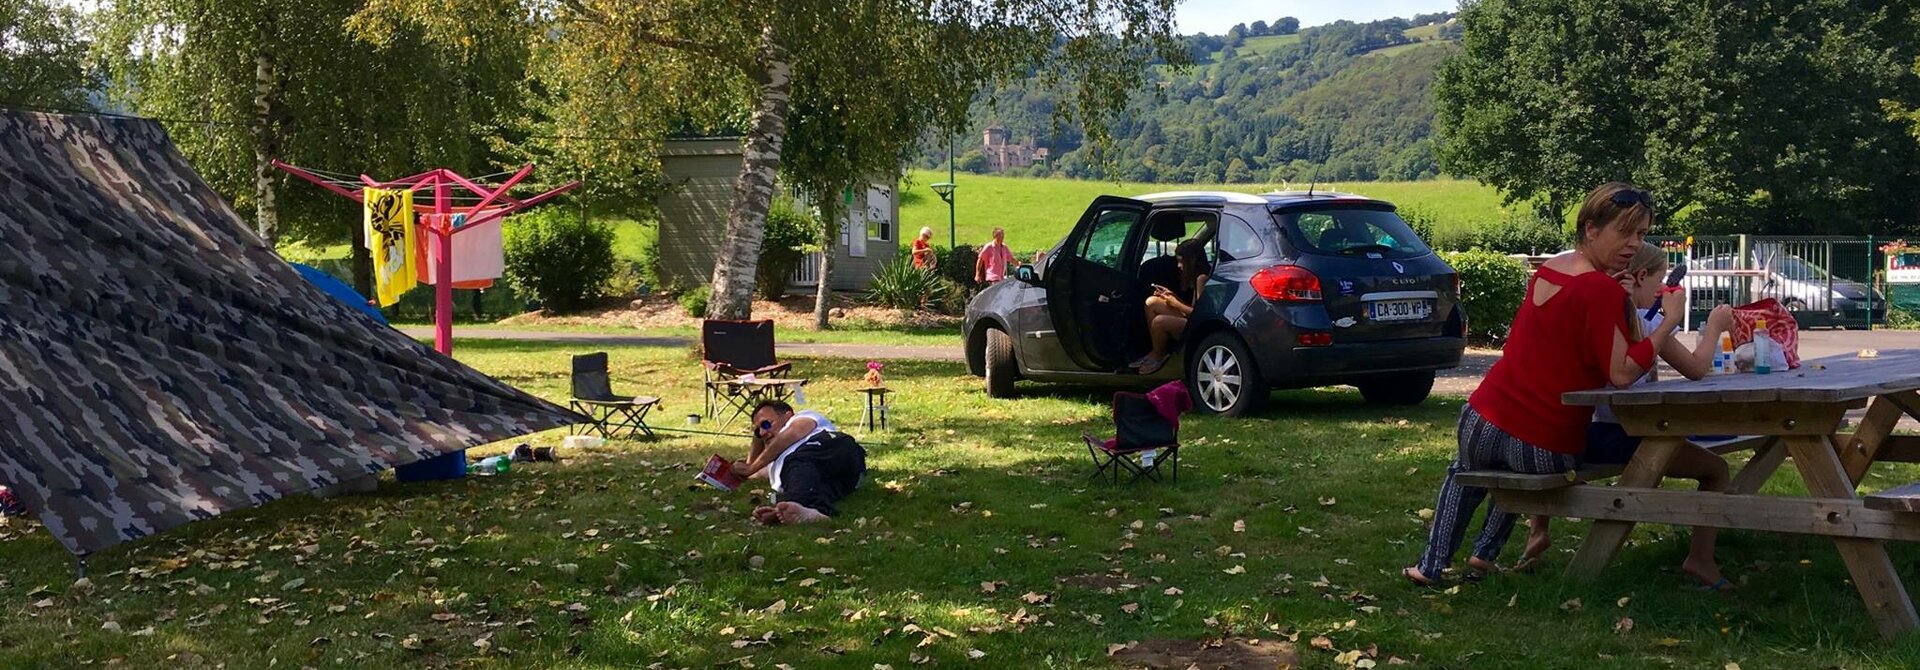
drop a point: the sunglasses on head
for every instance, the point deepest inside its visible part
(766, 426)
(1633, 196)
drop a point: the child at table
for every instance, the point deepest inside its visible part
(1609, 444)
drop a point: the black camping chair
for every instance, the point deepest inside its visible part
(611, 415)
(1145, 443)
(730, 350)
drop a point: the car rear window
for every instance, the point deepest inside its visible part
(1358, 232)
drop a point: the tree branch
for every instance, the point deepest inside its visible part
(646, 32)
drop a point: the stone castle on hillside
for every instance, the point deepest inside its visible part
(1003, 155)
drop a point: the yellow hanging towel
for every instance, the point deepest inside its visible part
(389, 225)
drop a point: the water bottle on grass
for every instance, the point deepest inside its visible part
(493, 465)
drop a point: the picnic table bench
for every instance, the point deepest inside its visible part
(1795, 414)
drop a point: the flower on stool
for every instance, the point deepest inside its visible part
(873, 373)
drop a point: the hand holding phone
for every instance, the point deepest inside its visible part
(1672, 284)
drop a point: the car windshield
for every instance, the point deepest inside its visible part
(1353, 232)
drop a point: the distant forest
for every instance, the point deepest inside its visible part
(1265, 102)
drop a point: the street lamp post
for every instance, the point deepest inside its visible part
(945, 189)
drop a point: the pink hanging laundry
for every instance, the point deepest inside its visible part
(478, 257)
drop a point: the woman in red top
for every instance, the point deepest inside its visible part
(1571, 334)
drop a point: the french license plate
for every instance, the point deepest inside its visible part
(1399, 310)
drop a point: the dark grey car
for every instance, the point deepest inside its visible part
(1307, 289)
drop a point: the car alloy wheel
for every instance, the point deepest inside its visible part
(1220, 378)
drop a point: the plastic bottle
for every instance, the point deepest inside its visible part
(1763, 348)
(1723, 356)
(493, 465)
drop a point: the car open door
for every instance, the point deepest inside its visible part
(1088, 284)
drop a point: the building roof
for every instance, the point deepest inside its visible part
(160, 364)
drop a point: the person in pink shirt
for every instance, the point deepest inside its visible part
(995, 259)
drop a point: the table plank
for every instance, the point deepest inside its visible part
(1831, 379)
(1767, 514)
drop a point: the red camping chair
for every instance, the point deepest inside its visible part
(1147, 435)
(730, 350)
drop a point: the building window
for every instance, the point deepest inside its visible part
(880, 214)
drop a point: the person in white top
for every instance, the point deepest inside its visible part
(809, 462)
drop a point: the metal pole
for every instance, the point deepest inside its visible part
(1871, 267)
(443, 269)
(952, 242)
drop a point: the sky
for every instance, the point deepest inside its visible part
(1215, 17)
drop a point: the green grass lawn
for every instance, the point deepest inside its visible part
(1403, 48)
(977, 533)
(1256, 46)
(1036, 213)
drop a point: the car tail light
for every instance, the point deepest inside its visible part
(1315, 339)
(1456, 284)
(1287, 283)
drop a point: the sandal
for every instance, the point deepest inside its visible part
(1152, 366)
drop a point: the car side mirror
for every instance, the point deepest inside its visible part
(1026, 273)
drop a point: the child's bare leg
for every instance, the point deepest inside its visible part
(766, 515)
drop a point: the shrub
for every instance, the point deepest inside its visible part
(1523, 234)
(791, 232)
(901, 286)
(558, 258)
(1491, 288)
(956, 264)
(695, 302)
(1423, 224)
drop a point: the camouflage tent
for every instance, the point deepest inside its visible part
(159, 364)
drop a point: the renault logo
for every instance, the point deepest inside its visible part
(1397, 267)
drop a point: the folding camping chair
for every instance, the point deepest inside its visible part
(611, 415)
(1145, 441)
(730, 350)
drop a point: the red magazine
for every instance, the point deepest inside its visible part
(719, 474)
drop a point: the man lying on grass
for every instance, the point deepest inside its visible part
(810, 463)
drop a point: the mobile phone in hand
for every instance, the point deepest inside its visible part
(1674, 277)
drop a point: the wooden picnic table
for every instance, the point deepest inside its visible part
(1796, 413)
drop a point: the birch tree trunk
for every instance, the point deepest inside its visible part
(733, 270)
(266, 141)
(832, 211)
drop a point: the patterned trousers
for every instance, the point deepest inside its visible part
(1483, 446)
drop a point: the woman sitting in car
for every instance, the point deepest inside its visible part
(1168, 308)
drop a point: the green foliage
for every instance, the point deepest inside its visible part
(1523, 234)
(559, 258)
(1901, 318)
(43, 55)
(694, 301)
(1265, 102)
(899, 285)
(791, 232)
(1491, 288)
(1551, 97)
(956, 264)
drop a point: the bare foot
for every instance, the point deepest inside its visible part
(1538, 542)
(766, 515)
(792, 512)
(1482, 566)
(1417, 577)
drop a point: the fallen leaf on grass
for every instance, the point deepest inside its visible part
(989, 587)
(1666, 642)
(1235, 570)
(445, 616)
(1130, 608)
(1240, 525)
(1034, 598)
(1623, 626)
(1173, 591)
(1321, 642)
(1117, 648)
(976, 654)
(1622, 602)
(1732, 666)
(1328, 502)
(1347, 657)
(1425, 514)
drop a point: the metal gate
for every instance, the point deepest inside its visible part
(1826, 282)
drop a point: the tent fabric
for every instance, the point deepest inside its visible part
(160, 364)
(339, 290)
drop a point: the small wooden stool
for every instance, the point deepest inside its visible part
(876, 405)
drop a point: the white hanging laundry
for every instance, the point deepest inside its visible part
(477, 251)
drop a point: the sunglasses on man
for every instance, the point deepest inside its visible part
(766, 426)
(1633, 196)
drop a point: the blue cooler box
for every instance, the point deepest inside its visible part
(444, 466)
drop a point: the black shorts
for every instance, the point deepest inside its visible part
(1608, 444)
(821, 471)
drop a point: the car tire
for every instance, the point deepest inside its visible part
(1223, 379)
(1405, 389)
(1794, 304)
(1001, 369)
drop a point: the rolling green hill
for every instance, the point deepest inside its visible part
(1037, 212)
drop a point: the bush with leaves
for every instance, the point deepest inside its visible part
(1491, 288)
(558, 258)
(1523, 234)
(791, 233)
(956, 264)
(901, 286)
(1423, 224)
(695, 301)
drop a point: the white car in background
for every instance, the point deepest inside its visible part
(1815, 296)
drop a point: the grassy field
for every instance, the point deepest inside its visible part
(1403, 48)
(1037, 212)
(977, 542)
(1255, 46)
